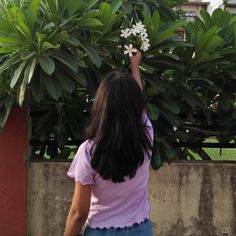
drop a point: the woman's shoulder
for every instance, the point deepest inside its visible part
(87, 142)
(86, 146)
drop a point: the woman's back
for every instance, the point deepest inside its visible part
(114, 204)
(111, 167)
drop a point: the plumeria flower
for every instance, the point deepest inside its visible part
(144, 34)
(139, 27)
(175, 128)
(125, 33)
(133, 31)
(145, 46)
(136, 35)
(144, 39)
(130, 50)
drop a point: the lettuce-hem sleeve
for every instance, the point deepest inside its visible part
(80, 169)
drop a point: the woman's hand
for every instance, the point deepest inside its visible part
(135, 62)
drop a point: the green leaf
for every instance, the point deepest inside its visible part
(51, 85)
(75, 6)
(5, 26)
(200, 24)
(33, 10)
(190, 98)
(206, 17)
(4, 114)
(152, 24)
(73, 41)
(24, 30)
(66, 82)
(93, 54)
(174, 108)
(47, 45)
(17, 74)
(8, 40)
(157, 84)
(46, 63)
(90, 4)
(115, 5)
(168, 30)
(206, 37)
(29, 71)
(48, 26)
(152, 111)
(169, 151)
(88, 23)
(107, 17)
(21, 95)
(9, 62)
(68, 60)
(216, 17)
(234, 33)
(25, 55)
(156, 160)
(215, 42)
(58, 37)
(37, 88)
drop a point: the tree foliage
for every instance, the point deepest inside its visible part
(174, 3)
(58, 51)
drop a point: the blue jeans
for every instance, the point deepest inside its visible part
(142, 229)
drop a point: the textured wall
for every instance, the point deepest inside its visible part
(187, 199)
(194, 200)
(13, 174)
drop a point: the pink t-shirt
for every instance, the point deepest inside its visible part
(113, 204)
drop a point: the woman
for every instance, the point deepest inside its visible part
(111, 167)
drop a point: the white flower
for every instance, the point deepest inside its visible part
(175, 128)
(130, 50)
(143, 32)
(139, 27)
(145, 35)
(125, 33)
(144, 39)
(133, 32)
(139, 34)
(144, 46)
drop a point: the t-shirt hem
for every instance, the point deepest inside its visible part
(118, 225)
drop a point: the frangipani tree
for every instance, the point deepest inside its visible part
(57, 52)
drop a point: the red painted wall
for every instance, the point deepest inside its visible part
(13, 175)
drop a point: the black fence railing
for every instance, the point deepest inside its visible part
(76, 142)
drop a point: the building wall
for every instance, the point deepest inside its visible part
(187, 199)
(13, 175)
(210, 6)
(193, 8)
(213, 4)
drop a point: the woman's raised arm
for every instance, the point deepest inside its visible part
(135, 62)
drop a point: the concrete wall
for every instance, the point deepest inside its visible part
(187, 199)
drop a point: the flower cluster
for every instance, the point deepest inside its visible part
(137, 35)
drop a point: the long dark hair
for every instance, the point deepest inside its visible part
(117, 129)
